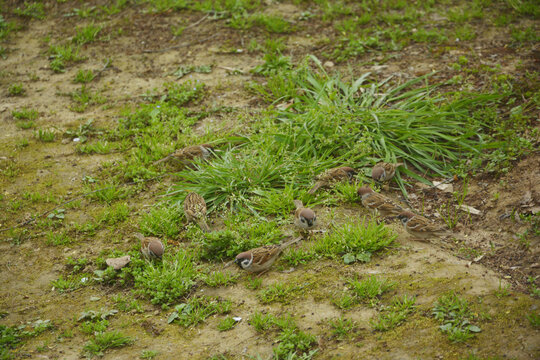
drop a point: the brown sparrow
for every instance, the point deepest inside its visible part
(383, 172)
(421, 227)
(261, 259)
(376, 202)
(304, 218)
(151, 247)
(189, 153)
(195, 210)
(331, 176)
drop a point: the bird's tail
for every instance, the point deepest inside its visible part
(204, 226)
(298, 204)
(162, 160)
(289, 243)
(315, 187)
(139, 236)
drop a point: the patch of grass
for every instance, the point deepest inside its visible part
(368, 290)
(534, 320)
(355, 241)
(430, 36)
(114, 214)
(25, 114)
(297, 256)
(45, 135)
(226, 324)
(278, 292)
(162, 220)
(454, 314)
(106, 193)
(106, 340)
(62, 55)
(16, 89)
(294, 343)
(11, 336)
(84, 76)
(94, 327)
(197, 309)
(84, 98)
(253, 283)
(25, 125)
(148, 354)
(167, 281)
(87, 34)
(70, 283)
(273, 24)
(219, 278)
(274, 62)
(33, 9)
(181, 94)
(524, 35)
(261, 322)
(239, 235)
(127, 305)
(342, 328)
(6, 27)
(98, 147)
(395, 314)
(58, 239)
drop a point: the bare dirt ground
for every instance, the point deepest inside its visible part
(490, 264)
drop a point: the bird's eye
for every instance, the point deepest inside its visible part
(302, 220)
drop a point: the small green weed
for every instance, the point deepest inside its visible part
(355, 241)
(86, 34)
(254, 283)
(84, 76)
(16, 89)
(58, 239)
(32, 9)
(226, 324)
(197, 309)
(278, 292)
(219, 278)
(261, 322)
(114, 214)
(342, 329)
(106, 340)
(70, 283)
(166, 281)
(162, 220)
(25, 114)
(534, 320)
(45, 135)
(454, 314)
(395, 314)
(63, 54)
(148, 354)
(127, 305)
(25, 125)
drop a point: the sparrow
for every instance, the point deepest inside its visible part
(421, 227)
(261, 259)
(195, 210)
(383, 172)
(189, 153)
(304, 218)
(151, 247)
(376, 202)
(331, 176)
